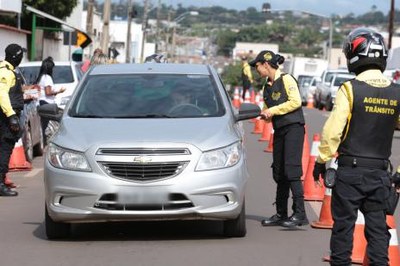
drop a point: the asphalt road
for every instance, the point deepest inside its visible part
(23, 241)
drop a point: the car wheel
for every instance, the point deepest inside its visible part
(237, 226)
(329, 104)
(55, 230)
(38, 149)
(28, 145)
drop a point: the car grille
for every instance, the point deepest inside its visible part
(175, 201)
(135, 151)
(143, 171)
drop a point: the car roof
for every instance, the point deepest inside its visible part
(39, 63)
(149, 68)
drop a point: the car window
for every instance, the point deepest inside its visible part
(339, 80)
(147, 95)
(61, 74)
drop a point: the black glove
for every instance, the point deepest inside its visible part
(396, 179)
(319, 169)
(14, 123)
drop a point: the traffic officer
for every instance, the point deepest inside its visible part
(283, 101)
(247, 76)
(360, 128)
(11, 103)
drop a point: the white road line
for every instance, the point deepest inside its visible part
(33, 172)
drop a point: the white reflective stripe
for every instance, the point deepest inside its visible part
(360, 218)
(376, 46)
(393, 238)
(328, 191)
(19, 143)
(314, 148)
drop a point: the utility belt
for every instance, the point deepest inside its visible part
(353, 161)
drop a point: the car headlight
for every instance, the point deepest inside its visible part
(221, 158)
(67, 159)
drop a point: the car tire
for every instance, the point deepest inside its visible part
(38, 149)
(28, 145)
(236, 227)
(329, 104)
(55, 230)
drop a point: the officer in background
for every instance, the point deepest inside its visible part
(282, 97)
(360, 128)
(11, 104)
(247, 76)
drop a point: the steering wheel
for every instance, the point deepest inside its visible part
(186, 109)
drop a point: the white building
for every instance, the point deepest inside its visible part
(252, 49)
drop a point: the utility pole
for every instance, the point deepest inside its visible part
(391, 19)
(144, 28)
(128, 34)
(158, 26)
(89, 22)
(106, 26)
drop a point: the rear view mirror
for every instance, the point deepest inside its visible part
(248, 111)
(50, 111)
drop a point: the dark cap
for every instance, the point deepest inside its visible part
(262, 57)
(14, 50)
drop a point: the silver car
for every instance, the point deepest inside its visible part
(147, 142)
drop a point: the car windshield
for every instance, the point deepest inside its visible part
(147, 96)
(61, 74)
(340, 79)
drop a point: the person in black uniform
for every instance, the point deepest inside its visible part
(282, 99)
(11, 103)
(247, 76)
(360, 128)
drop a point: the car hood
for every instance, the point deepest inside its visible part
(204, 133)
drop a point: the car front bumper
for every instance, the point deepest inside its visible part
(73, 196)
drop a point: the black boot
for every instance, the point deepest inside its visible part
(282, 196)
(274, 220)
(5, 190)
(299, 216)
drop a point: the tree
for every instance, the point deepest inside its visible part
(59, 9)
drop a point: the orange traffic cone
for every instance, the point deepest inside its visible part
(310, 102)
(247, 97)
(359, 241)
(266, 133)
(394, 252)
(18, 160)
(257, 102)
(236, 98)
(252, 96)
(325, 216)
(270, 146)
(312, 191)
(8, 182)
(258, 126)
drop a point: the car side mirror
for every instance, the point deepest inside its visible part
(50, 111)
(248, 111)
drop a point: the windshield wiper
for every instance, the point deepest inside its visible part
(146, 116)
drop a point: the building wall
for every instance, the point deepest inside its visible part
(12, 35)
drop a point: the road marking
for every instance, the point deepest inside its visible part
(316, 206)
(33, 172)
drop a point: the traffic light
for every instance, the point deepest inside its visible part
(266, 8)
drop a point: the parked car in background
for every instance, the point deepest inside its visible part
(325, 81)
(304, 82)
(65, 74)
(147, 142)
(326, 94)
(32, 135)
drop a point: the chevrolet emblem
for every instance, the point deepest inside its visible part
(142, 159)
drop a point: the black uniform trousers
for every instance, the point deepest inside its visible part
(287, 166)
(367, 190)
(7, 143)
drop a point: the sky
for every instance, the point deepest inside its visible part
(323, 7)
